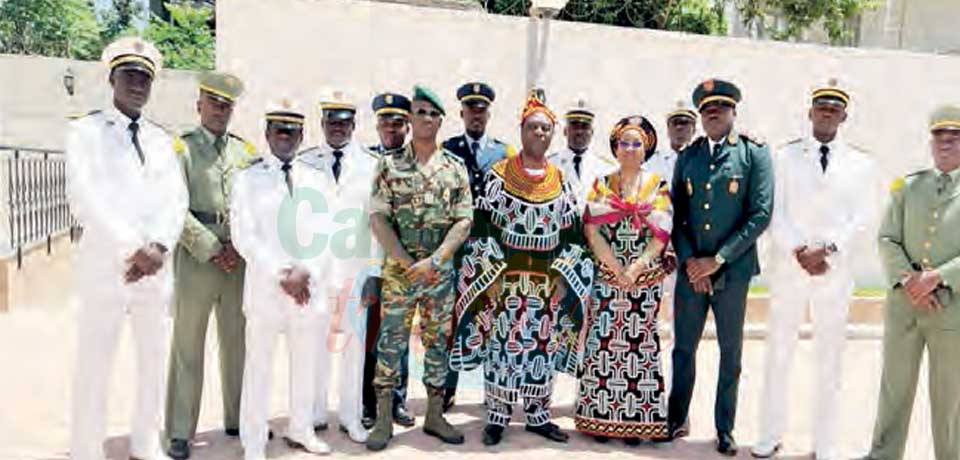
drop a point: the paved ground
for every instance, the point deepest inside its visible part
(36, 355)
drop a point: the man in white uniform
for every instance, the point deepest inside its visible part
(125, 187)
(575, 160)
(824, 199)
(346, 171)
(283, 291)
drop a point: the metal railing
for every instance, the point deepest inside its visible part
(37, 205)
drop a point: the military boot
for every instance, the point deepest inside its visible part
(383, 428)
(435, 425)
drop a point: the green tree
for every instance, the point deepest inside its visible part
(838, 17)
(60, 28)
(696, 16)
(185, 40)
(120, 19)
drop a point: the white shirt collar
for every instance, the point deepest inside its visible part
(713, 144)
(120, 118)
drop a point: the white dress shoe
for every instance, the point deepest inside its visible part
(766, 449)
(356, 431)
(310, 443)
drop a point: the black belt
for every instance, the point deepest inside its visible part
(215, 218)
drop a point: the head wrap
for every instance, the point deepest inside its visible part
(636, 122)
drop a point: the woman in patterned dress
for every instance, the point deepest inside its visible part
(627, 224)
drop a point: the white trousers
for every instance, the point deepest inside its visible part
(262, 333)
(103, 312)
(345, 340)
(828, 298)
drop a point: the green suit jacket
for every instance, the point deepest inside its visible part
(723, 204)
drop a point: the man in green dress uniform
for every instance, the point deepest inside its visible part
(723, 200)
(208, 271)
(920, 250)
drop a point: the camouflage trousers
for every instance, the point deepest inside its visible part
(400, 300)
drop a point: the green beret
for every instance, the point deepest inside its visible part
(219, 85)
(422, 93)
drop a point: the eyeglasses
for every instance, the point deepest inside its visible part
(428, 113)
(635, 145)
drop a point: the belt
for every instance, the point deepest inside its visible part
(217, 218)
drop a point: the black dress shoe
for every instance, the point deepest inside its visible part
(726, 445)
(179, 449)
(492, 435)
(321, 427)
(235, 433)
(601, 439)
(632, 442)
(402, 417)
(550, 431)
(678, 431)
(368, 421)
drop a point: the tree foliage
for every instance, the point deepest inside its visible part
(798, 16)
(185, 40)
(60, 28)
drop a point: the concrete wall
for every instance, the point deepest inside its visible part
(35, 106)
(303, 47)
(919, 25)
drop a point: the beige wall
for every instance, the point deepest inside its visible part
(304, 46)
(35, 106)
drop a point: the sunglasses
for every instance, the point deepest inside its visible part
(635, 145)
(428, 113)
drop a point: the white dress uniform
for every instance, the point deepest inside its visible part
(812, 206)
(351, 256)
(593, 165)
(267, 226)
(123, 205)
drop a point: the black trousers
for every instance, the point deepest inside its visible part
(372, 298)
(690, 314)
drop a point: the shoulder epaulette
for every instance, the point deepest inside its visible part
(252, 162)
(454, 156)
(92, 112)
(753, 139)
(179, 146)
(795, 141)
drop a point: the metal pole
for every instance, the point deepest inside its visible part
(531, 53)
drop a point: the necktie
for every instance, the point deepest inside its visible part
(475, 147)
(219, 144)
(287, 177)
(337, 157)
(577, 160)
(824, 159)
(716, 149)
(943, 180)
(134, 129)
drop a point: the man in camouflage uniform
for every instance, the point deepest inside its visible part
(421, 212)
(208, 270)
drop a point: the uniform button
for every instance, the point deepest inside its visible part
(936, 215)
(709, 186)
(712, 167)
(706, 206)
(926, 261)
(933, 229)
(706, 227)
(926, 245)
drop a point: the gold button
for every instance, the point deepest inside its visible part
(926, 261)
(706, 227)
(926, 245)
(712, 167)
(706, 206)
(709, 186)
(936, 215)
(933, 229)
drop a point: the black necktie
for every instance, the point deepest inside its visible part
(475, 147)
(716, 149)
(287, 176)
(337, 156)
(577, 160)
(134, 129)
(824, 159)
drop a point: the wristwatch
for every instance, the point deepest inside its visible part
(719, 259)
